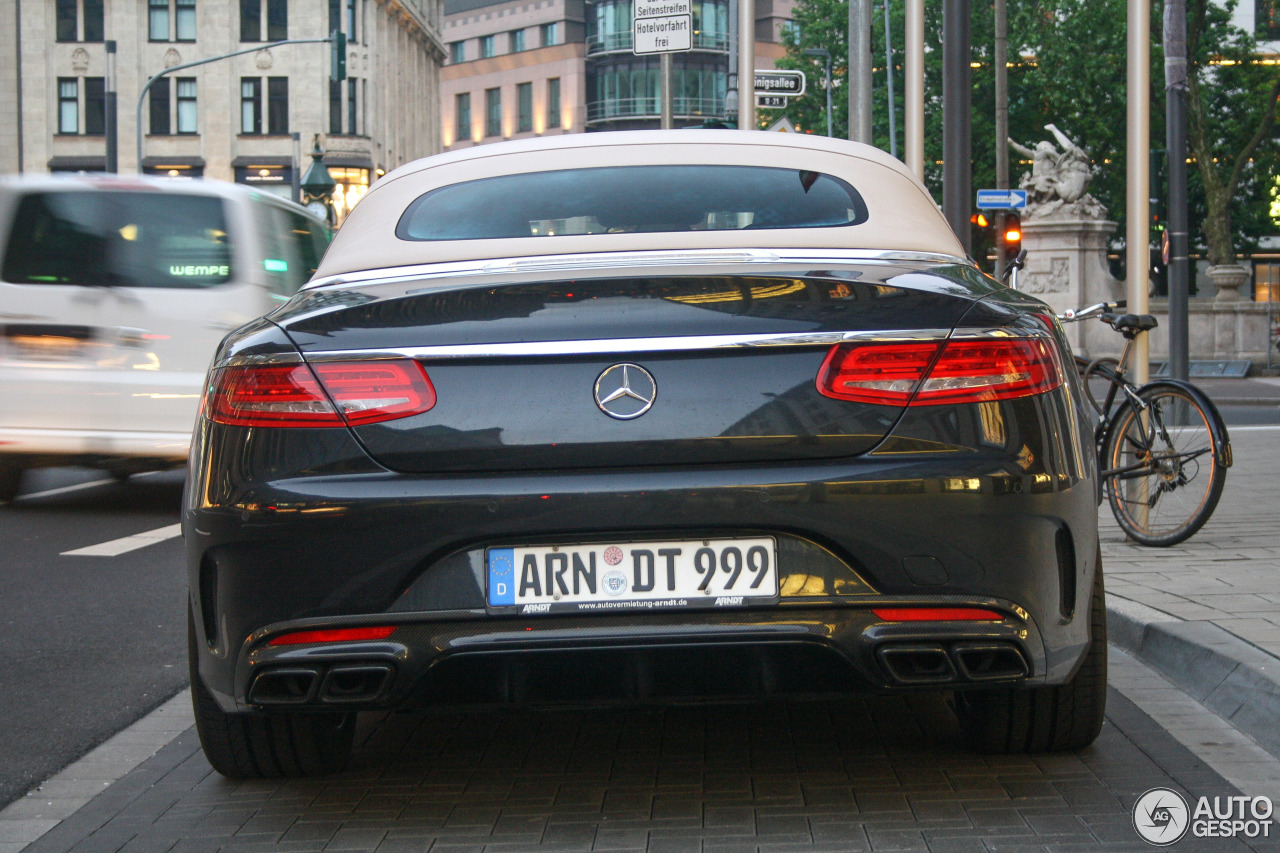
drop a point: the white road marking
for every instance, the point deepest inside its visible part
(64, 489)
(116, 547)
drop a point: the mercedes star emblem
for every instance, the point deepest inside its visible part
(625, 391)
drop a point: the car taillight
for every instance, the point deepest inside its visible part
(335, 394)
(333, 635)
(936, 373)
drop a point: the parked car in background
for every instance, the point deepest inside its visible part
(646, 416)
(114, 292)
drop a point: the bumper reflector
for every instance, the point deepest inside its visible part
(333, 635)
(936, 614)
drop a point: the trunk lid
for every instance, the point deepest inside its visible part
(727, 363)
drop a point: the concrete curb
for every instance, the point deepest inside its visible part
(1236, 680)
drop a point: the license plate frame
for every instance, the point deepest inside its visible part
(627, 576)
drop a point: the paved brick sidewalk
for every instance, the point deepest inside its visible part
(1207, 612)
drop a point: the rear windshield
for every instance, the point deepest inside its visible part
(118, 239)
(622, 199)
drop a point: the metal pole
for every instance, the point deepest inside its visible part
(746, 64)
(860, 71)
(830, 131)
(1001, 58)
(1175, 87)
(888, 64)
(913, 98)
(732, 97)
(142, 95)
(665, 65)
(957, 180)
(1138, 176)
(110, 130)
(296, 179)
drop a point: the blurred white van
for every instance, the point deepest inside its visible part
(114, 292)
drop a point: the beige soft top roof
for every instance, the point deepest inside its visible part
(902, 216)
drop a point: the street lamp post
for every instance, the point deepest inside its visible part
(317, 183)
(826, 56)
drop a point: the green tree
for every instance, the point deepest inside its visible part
(1231, 111)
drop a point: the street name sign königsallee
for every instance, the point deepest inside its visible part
(788, 84)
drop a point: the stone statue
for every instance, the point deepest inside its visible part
(1056, 183)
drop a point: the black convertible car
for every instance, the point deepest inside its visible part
(642, 417)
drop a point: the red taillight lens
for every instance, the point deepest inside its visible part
(936, 614)
(887, 374)
(966, 371)
(289, 395)
(370, 391)
(333, 635)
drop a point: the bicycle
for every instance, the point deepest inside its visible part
(1163, 449)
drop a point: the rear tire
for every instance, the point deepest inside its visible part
(1045, 719)
(260, 746)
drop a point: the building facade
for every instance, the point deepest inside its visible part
(520, 68)
(249, 118)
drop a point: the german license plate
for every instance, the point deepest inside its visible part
(622, 576)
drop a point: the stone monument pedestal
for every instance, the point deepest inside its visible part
(1067, 268)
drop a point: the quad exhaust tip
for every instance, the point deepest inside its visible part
(336, 685)
(933, 663)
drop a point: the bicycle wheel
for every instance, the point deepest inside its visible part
(1162, 468)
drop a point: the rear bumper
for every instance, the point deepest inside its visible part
(384, 549)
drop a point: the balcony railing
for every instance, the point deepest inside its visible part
(652, 108)
(611, 42)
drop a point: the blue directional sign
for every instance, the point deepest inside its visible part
(1002, 199)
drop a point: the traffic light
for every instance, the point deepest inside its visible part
(980, 220)
(1011, 235)
(337, 56)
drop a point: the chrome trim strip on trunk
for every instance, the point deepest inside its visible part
(624, 346)
(624, 260)
(616, 346)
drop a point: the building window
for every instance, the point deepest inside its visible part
(95, 106)
(186, 20)
(67, 29)
(250, 105)
(551, 34)
(68, 105)
(158, 20)
(335, 15)
(486, 47)
(553, 103)
(462, 116)
(335, 107)
(94, 21)
(159, 93)
(524, 100)
(278, 105)
(351, 20)
(517, 40)
(186, 104)
(492, 112)
(250, 20)
(277, 20)
(457, 52)
(353, 86)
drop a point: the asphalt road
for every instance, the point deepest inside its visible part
(88, 644)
